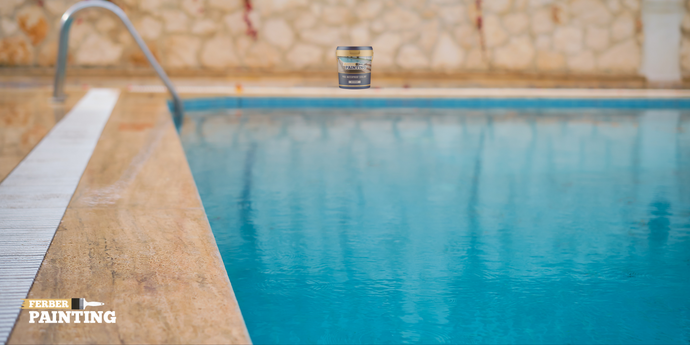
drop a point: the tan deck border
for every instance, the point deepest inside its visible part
(259, 91)
(135, 236)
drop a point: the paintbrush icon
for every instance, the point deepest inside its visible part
(81, 304)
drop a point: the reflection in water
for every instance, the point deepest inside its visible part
(659, 225)
(430, 226)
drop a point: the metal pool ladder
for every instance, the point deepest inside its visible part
(61, 65)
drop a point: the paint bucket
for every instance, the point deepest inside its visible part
(354, 66)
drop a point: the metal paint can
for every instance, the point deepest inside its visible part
(354, 66)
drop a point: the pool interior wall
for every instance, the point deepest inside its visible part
(214, 103)
(540, 225)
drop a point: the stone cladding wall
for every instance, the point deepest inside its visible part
(585, 37)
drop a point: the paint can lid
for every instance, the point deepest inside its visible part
(354, 48)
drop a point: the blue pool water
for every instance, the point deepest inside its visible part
(450, 226)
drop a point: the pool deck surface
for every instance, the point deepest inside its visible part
(135, 236)
(26, 115)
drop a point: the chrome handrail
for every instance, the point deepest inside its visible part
(66, 23)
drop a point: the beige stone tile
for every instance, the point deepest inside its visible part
(136, 237)
(138, 162)
(26, 116)
(159, 270)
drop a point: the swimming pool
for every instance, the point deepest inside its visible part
(398, 225)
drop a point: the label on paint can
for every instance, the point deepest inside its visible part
(354, 67)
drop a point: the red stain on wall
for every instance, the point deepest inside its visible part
(201, 10)
(556, 14)
(251, 32)
(480, 28)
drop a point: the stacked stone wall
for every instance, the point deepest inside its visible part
(591, 37)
